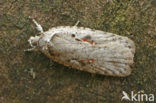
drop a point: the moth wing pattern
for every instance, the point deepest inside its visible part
(93, 51)
(86, 49)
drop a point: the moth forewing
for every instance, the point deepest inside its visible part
(88, 50)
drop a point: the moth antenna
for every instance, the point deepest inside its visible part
(77, 23)
(38, 26)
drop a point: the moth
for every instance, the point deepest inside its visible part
(86, 49)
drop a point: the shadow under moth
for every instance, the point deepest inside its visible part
(86, 49)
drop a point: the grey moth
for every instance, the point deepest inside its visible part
(86, 49)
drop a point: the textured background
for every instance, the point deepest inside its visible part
(33, 78)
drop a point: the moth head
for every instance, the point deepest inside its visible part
(33, 41)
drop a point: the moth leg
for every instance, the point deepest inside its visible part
(38, 26)
(30, 49)
(77, 23)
